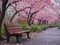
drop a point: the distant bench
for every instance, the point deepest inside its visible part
(12, 29)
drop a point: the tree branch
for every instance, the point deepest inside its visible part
(30, 10)
(18, 12)
(11, 4)
(34, 12)
(28, 13)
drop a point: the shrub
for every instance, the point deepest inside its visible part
(43, 27)
(58, 26)
(24, 26)
(2, 29)
(34, 28)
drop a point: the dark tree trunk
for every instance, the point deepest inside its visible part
(4, 3)
(29, 22)
(0, 31)
(31, 17)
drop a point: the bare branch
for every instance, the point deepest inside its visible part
(31, 15)
(36, 12)
(43, 7)
(30, 9)
(18, 12)
(11, 4)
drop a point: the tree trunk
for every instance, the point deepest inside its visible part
(0, 32)
(29, 22)
(4, 3)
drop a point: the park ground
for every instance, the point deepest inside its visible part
(50, 36)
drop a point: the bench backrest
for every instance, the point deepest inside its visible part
(10, 27)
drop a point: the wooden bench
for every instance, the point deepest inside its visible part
(14, 30)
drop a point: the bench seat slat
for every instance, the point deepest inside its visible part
(19, 32)
(14, 28)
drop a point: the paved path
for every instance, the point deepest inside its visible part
(50, 36)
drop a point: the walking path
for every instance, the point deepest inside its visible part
(50, 36)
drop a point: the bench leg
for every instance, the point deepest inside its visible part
(28, 35)
(8, 37)
(21, 36)
(17, 38)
